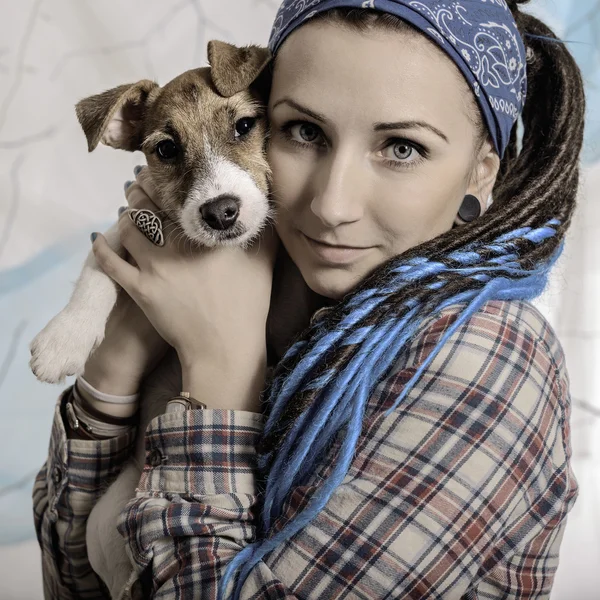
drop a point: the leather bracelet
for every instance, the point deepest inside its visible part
(79, 427)
(93, 432)
(77, 418)
(73, 423)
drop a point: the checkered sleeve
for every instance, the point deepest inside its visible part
(195, 504)
(74, 476)
(528, 572)
(461, 492)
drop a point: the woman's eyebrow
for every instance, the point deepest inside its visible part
(300, 108)
(411, 124)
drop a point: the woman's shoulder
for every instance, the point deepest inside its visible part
(491, 401)
(501, 370)
(499, 328)
(506, 355)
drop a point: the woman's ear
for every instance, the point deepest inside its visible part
(483, 176)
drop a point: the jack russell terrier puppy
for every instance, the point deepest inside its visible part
(204, 136)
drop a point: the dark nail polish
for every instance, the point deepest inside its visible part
(136, 170)
(127, 184)
(122, 209)
(93, 236)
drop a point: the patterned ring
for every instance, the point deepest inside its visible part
(149, 224)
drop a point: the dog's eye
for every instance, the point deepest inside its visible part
(166, 149)
(243, 126)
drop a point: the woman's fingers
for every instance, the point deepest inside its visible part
(144, 180)
(119, 270)
(138, 198)
(134, 240)
(137, 231)
(138, 244)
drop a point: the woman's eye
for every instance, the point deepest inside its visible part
(399, 153)
(301, 132)
(307, 132)
(402, 152)
(167, 150)
(244, 126)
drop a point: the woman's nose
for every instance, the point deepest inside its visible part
(338, 189)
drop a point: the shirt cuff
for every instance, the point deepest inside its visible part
(202, 452)
(82, 465)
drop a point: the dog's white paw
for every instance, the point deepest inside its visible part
(62, 348)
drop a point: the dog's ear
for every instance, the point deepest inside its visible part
(234, 69)
(115, 117)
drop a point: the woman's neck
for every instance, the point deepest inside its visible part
(292, 305)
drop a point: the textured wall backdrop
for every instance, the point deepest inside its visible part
(53, 194)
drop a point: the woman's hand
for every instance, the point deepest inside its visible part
(210, 304)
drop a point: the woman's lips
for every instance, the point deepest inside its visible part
(334, 254)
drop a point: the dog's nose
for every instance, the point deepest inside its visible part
(222, 212)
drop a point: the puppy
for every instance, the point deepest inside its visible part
(204, 136)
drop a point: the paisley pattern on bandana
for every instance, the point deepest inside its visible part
(480, 36)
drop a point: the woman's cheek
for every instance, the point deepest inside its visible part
(289, 179)
(405, 211)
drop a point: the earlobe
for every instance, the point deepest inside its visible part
(470, 209)
(481, 186)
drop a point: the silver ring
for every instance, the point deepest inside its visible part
(149, 224)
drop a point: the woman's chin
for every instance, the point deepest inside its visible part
(330, 284)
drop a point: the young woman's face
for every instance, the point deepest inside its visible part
(371, 147)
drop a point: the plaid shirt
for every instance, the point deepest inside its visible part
(461, 493)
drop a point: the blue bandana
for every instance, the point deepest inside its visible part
(480, 36)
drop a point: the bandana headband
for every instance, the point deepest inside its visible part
(480, 36)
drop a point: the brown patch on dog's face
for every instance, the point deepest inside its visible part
(200, 146)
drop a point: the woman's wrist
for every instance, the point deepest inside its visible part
(108, 379)
(233, 384)
(110, 409)
(84, 418)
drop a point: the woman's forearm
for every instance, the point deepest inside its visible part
(131, 349)
(109, 381)
(233, 383)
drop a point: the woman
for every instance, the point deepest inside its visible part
(414, 439)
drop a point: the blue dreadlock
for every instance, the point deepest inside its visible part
(344, 395)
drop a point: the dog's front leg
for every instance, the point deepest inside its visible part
(64, 345)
